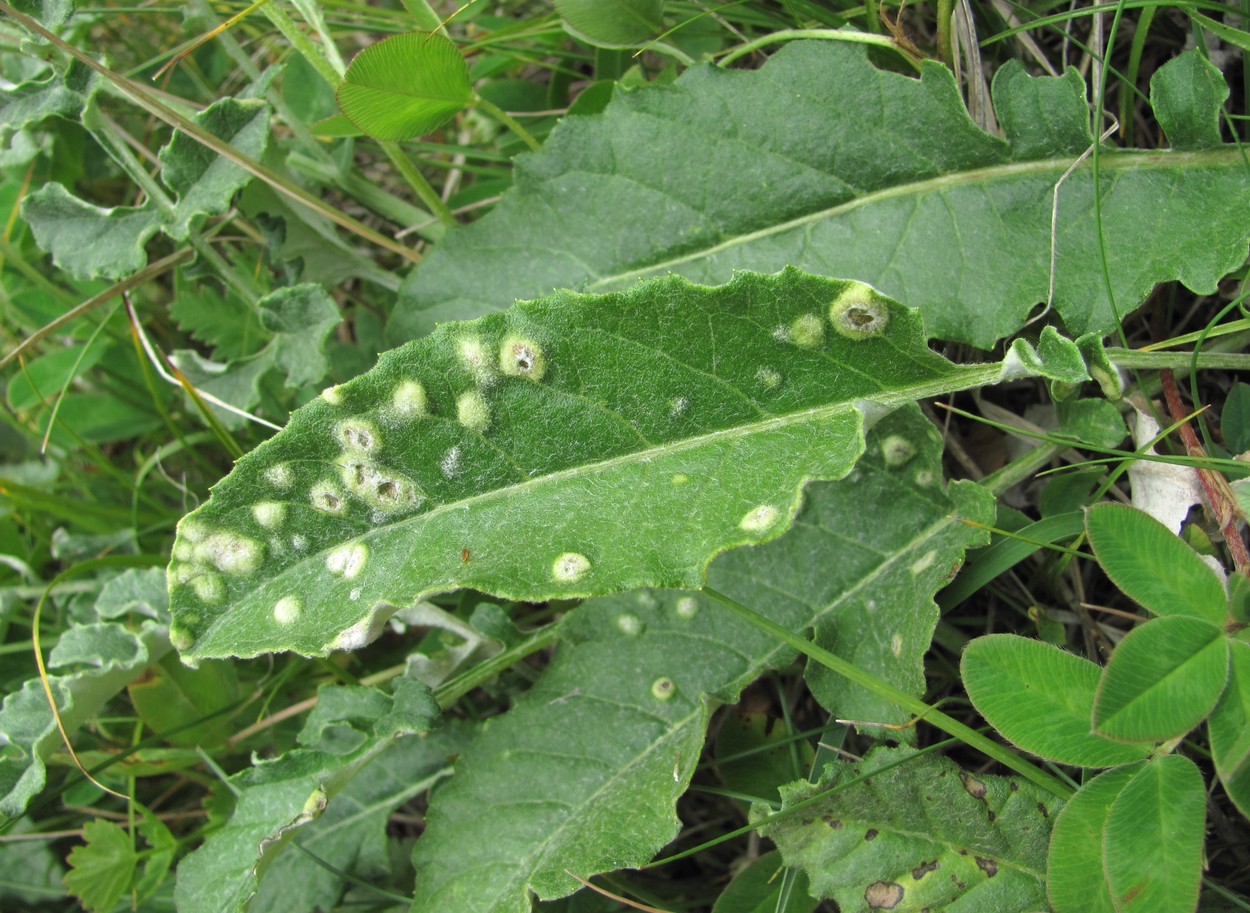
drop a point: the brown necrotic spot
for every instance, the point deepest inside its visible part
(988, 866)
(883, 895)
(859, 312)
(871, 833)
(924, 869)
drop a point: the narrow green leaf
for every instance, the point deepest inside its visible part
(1152, 846)
(1162, 680)
(1229, 727)
(405, 86)
(1041, 699)
(625, 754)
(1152, 565)
(922, 833)
(795, 170)
(573, 446)
(100, 870)
(1075, 880)
(757, 889)
(279, 799)
(613, 23)
(1187, 93)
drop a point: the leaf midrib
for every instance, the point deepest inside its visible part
(1110, 162)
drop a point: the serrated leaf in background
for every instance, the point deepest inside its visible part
(279, 799)
(528, 437)
(915, 831)
(223, 321)
(90, 242)
(107, 656)
(630, 689)
(351, 834)
(299, 320)
(794, 170)
(100, 870)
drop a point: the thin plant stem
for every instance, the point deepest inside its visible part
(945, 47)
(900, 698)
(417, 181)
(507, 120)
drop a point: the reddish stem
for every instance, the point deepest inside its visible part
(1214, 485)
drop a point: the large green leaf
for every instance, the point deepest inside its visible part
(787, 165)
(632, 684)
(903, 831)
(570, 446)
(285, 798)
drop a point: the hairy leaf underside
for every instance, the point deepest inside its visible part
(569, 446)
(821, 161)
(584, 773)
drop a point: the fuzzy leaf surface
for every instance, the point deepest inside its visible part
(1041, 698)
(908, 832)
(90, 664)
(625, 755)
(793, 168)
(571, 446)
(1075, 880)
(405, 86)
(1151, 564)
(89, 241)
(1229, 727)
(1162, 680)
(282, 797)
(1152, 843)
